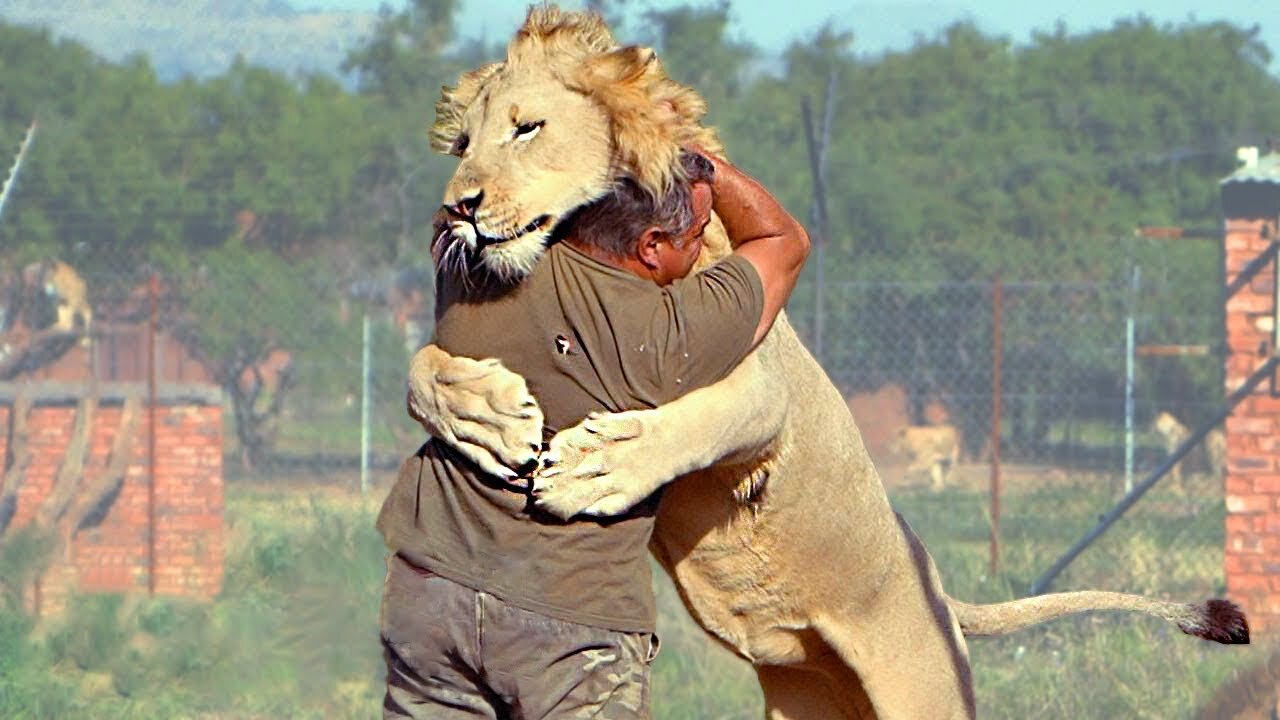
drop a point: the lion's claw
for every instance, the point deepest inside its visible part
(477, 407)
(604, 465)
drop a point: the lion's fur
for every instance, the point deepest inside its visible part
(785, 547)
(650, 115)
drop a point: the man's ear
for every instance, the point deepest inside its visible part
(647, 247)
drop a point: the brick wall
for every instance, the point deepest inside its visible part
(115, 555)
(1252, 553)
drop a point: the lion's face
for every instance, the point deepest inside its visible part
(531, 152)
(547, 131)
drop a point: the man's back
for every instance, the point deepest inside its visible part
(587, 337)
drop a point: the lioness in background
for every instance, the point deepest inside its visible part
(1174, 433)
(934, 449)
(66, 290)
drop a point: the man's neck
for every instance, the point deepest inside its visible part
(628, 263)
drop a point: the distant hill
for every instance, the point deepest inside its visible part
(200, 37)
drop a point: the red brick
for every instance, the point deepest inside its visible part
(1239, 367)
(1247, 504)
(1264, 404)
(1249, 302)
(1244, 544)
(1238, 524)
(1248, 584)
(1250, 425)
(1250, 465)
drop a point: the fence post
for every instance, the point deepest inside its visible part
(1134, 281)
(997, 353)
(152, 292)
(364, 408)
(818, 170)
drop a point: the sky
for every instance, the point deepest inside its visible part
(893, 24)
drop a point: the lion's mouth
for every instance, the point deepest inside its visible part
(483, 241)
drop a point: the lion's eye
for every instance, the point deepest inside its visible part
(527, 130)
(460, 145)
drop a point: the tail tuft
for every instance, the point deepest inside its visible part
(1220, 621)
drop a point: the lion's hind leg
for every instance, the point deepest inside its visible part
(823, 690)
(906, 646)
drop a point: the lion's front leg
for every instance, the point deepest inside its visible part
(477, 407)
(611, 461)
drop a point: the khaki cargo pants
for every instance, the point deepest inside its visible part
(454, 653)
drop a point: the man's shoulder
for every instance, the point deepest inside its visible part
(732, 275)
(573, 276)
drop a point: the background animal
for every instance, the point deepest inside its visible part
(63, 291)
(1211, 453)
(932, 449)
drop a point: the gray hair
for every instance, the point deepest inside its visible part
(615, 222)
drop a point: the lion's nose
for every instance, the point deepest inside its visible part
(466, 207)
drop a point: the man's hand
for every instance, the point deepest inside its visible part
(478, 408)
(761, 230)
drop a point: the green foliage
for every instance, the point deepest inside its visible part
(93, 637)
(22, 555)
(294, 632)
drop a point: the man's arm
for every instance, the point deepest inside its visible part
(763, 232)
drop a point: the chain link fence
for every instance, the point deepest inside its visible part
(1071, 367)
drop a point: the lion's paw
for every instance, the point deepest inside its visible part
(477, 407)
(601, 466)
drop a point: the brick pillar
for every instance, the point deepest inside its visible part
(1251, 204)
(113, 553)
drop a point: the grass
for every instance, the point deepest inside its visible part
(294, 632)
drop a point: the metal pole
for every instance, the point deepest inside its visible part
(997, 409)
(1263, 372)
(17, 165)
(819, 220)
(364, 409)
(152, 292)
(819, 314)
(1134, 280)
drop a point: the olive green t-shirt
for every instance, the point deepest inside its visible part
(586, 337)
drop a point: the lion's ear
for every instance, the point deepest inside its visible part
(623, 81)
(453, 103)
(624, 66)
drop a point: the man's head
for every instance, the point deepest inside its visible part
(657, 237)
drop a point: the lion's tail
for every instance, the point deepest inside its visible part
(1218, 620)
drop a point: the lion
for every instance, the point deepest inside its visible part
(65, 291)
(779, 535)
(934, 449)
(1174, 433)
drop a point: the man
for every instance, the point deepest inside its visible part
(493, 609)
